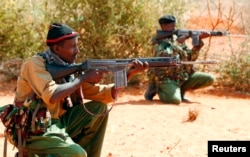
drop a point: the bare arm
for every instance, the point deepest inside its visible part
(65, 89)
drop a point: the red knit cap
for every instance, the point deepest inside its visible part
(59, 32)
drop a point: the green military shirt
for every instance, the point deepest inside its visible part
(169, 47)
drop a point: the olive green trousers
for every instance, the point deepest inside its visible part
(75, 134)
(171, 92)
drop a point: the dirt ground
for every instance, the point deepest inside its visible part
(139, 128)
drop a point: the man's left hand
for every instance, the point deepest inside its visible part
(137, 67)
(204, 34)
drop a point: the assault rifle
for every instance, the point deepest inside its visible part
(116, 66)
(194, 34)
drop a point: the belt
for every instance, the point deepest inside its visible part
(21, 103)
(18, 103)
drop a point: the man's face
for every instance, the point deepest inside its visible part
(168, 27)
(67, 50)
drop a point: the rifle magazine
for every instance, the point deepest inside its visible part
(120, 78)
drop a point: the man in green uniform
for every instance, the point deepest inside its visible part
(73, 132)
(172, 83)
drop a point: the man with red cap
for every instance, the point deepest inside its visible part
(72, 131)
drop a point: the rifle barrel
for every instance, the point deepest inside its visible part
(238, 35)
(198, 62)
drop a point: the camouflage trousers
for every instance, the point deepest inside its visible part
(75, 134)
(171, 92)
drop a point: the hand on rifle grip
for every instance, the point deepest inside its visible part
(182, 39)
(137, 66)
(93, 76)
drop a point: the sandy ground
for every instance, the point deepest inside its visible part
(139, 128)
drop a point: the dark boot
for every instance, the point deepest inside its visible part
(150, 91)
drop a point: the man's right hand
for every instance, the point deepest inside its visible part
(93, 76)
(181, 39)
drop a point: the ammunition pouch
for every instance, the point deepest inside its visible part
(24, 119)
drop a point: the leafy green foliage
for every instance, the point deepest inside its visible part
(108, 28)
(235, 72)
(18, 29)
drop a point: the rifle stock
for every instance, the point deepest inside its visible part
(61, 71)
(116, 66)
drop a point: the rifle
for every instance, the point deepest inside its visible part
(116, 66)
(194, 34)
